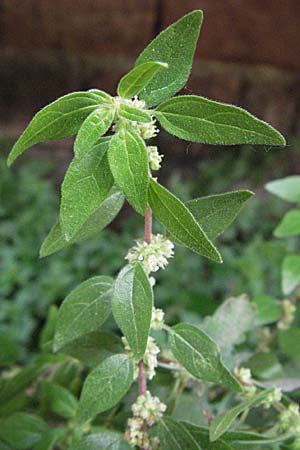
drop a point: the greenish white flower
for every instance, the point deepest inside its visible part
(154, 157)
(149, 358)
(157, 319)
(289, 420)
(288, 314)
(274, 397)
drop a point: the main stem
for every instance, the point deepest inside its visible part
(142, 371)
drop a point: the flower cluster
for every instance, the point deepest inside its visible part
(273, 397)
(146, 410)
(288, 314)
(154, 157)
(147, 130)
(149, 358)
(157, 319)
(152, 256)
(289, 420)
(244, 376)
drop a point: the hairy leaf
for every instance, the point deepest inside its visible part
(86, 184)
(286, 188)
(201, 120)
(200, 356)
(105, 440)
(128, 162)
(173, 436)
(84, 310)
(134, 114)
(290, 273)
(132, 306)
(215, 213)
(94, 126)
(175, 216)
(289, 225)
(94, 347)
(105, 386)
(96, 222)
(134, 81)
(62, 118)
(221, 423)
(175, 46)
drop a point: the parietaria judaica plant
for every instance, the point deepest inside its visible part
(114, 157)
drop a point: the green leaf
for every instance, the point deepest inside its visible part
(290, 273)
(289, 342)
(62, 118)
(134, 114)
(106, 440)
(215, 213)
(175, 216)
(87, 183)
(84, 310)
(47, 333)
(264, 366)
(175, 46)
(199, 355)
(98, 220)
(173, 436)
(105, 386)
(221, 423)
(134, 81)
(237, 310)
(93, 348)
(128, 162)
(289, 225)
(132, 304)
(94, 126)
(22, 431)
(201, 120)
(286, 188)
(50, 439)
(18, 383)
(61, 401)
(267, 309)
(201, 435)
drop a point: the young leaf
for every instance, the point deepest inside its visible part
(289, 225)
(86, 184)
(98, 220)
(215, 213)
(93, 348)
(134, 81)
(62, 118)
(84, 310)
(105, 440)
(201, 120)
(286, 188)
(22, 430)
(199, 355)
(172, 213)
(267, 310)
(60, 400)
(221, 423)
(173, 436)
(290, 273)
(132, 303)
(128, 162)
(94, 126)
(105, 386)
(134, 114)
(175, 46)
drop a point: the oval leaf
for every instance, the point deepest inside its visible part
(134, 81)
(86, 184)
(289, 225)
(175, 216)
(96, 222)
(94, 126)
(105, 386)
(84, 310)
(22, 431)
(60, 400)
(223, 422)
(105, 440)
(175, 46)
(132, 304)
(215, 213)
(134, 114)
(128, 162)
(62, 118)
(201, 120)
(290, 273)
(287, 188)
(199, 355)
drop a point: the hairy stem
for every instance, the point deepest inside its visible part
(142, 371)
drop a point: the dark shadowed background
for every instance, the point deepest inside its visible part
(248, 54)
